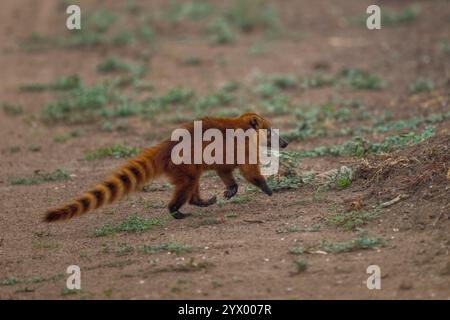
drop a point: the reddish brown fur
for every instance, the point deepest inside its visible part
(156, 161)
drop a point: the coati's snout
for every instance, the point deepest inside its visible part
(281, 142)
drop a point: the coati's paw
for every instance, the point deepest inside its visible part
(204, 203)
(267, 190)
(230, 192)
(180, 215)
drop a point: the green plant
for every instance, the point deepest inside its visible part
(11, 109)
(359, 79)
(302, 265)
(9, 281)
(133, 224)
(353, 219)
(80, 105)
(421, 85)
(41, 177)
(61, 84)
(116, 151)
(193, 10)
(248, 15)
(220, 31)
(296, 250)
(360, 242)
(169, 247)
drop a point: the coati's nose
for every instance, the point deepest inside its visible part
(283, 143)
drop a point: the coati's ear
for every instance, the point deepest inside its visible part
(254, 122)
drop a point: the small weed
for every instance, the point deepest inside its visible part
(124, 249)
(11, 109)
(169, 247)
(193, 61)
(9, 281)
(359, 79)
(116, 151)
(287, 229)
(220, 31)
(361, 242)
(45, 244)
(80, 105)
(41, 177)
(421, 85)
(301, 265)
(296, 250)
(66, 136)
(69, 292)
(207, 222)
(61, 84)
(232, 215)
(353, 219)
(134, 224)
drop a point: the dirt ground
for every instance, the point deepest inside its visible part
(240, 249)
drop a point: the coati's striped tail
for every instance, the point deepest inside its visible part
(131, 176)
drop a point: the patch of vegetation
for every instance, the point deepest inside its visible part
(250, 15)
(190, 266)
(360, 79)
(301, 265)
(317, 80)
(41, 177)
(421, 85)
(66, 136)
(296, 250)
(62, 84)
(361, 242)
(315, 121)
(116, 151)
(212, 100)
(359, 147)
(44, 244)
(9, 281)
(353, 220)
(220, 31)
(133, 224)
(392, 18)
(193, 10)
(124, 249)
(278, 105)
(193, 61)
(69, 292)
(444, 46)
(340, 178)
(11, 109)
(408, 14)
(173, 247)
(80, 105)
(207, 222)
(115, 64)
(287, 229)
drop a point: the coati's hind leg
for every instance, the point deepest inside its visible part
(228, 179)
(183, 189)
(197, 200)
(252, 174)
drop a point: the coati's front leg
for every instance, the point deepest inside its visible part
(228, 179)
(197, 200)
(252, 174)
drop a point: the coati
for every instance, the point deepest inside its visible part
(156, 161)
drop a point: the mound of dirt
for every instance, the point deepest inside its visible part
(419, 173)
